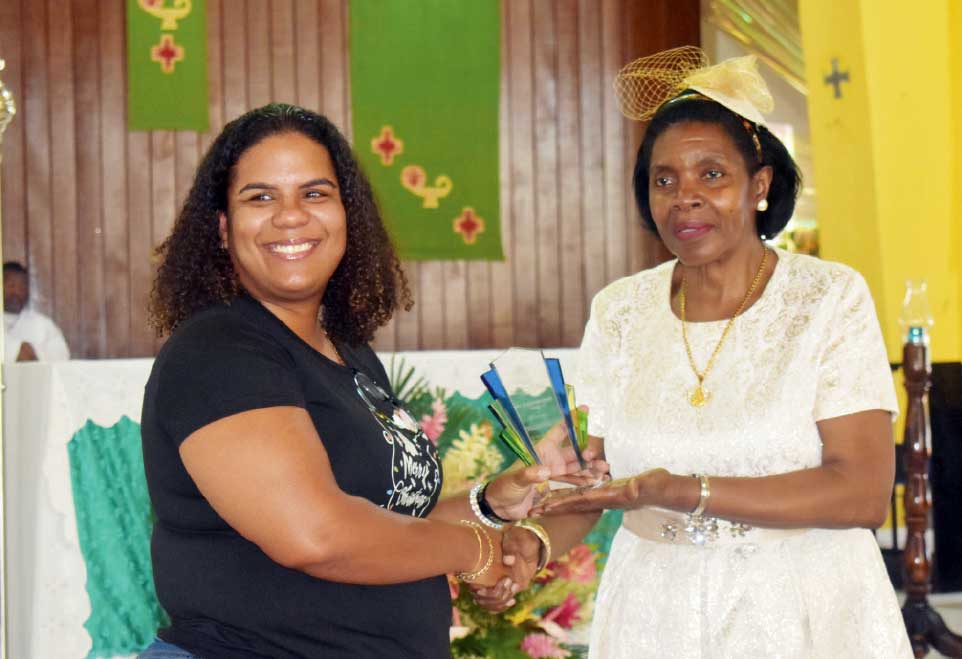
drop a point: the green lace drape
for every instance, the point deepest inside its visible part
(114, 524)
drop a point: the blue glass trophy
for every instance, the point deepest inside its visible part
(531, 397)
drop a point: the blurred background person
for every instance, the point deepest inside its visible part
(28, 334)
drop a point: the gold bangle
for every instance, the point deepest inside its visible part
(542, 535)
(468, 577)
(703, 495)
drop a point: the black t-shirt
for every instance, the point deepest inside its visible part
(225, 597)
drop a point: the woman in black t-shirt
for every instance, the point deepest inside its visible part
(296, 501)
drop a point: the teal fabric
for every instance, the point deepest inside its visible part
(114, 524)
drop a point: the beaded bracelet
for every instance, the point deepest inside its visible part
(538, 530)
(469, 577)
(486, 508)
(473, 496)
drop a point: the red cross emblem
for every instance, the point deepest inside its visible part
(387, 145)
(469, 225)
(167, 53)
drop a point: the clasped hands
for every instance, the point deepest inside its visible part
(513, 495)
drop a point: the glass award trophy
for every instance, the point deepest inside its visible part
(531, 397)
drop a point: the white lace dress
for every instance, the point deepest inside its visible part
(810, 348)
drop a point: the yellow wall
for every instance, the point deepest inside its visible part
(887, 156)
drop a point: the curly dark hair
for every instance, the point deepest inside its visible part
(195, 273)
(786, 178)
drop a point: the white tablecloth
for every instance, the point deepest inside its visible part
(44, 405)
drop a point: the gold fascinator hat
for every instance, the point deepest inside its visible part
(649, 82)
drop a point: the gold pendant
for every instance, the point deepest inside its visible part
(699, 397)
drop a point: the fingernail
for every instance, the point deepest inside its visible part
(543, 473)
(515, 588)
(512, 602)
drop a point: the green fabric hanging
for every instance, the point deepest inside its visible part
(425, 85)
(167, 65)
(114, 525)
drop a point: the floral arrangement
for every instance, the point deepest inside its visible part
(551, 616)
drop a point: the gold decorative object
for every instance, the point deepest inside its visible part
(7, 107)
(168, 15)
(769, 29)
(414, 179)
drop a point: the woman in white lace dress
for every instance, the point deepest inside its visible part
(750, 389)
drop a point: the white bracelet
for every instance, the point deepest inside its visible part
(476, 508)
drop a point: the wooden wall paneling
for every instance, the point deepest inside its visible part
(502, 284)
(162, 191)
(63, 182)
(282, 52)
(258, 53)
(332, 31)
(521, 184)
(430, 303)
(186, 149)
(546, 243)
(635, 42)
(140, 236)
(385, 338)
(92, 337)
(571, 188)
(456, 312)
(616, 234)
(307, 53)
(592, 151)
(215, 74)
(681, 25)
(234, 49)
(34, 112)
(14, 189)
(162, 184)
(406, 323)
(478, 301)
(113, 149)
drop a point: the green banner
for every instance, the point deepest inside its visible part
(167, 65)
(425, 79)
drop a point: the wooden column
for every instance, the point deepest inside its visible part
(925, 626)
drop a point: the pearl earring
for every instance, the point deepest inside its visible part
(762, 205)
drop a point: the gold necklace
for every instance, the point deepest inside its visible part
(699, 396)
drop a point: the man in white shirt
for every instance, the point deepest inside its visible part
(28, 335)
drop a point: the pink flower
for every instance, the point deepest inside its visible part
(433, 425)
(578, 565)
(539, 646)
(565, 614)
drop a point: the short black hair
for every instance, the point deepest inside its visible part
(786, 177)
(14, 266)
